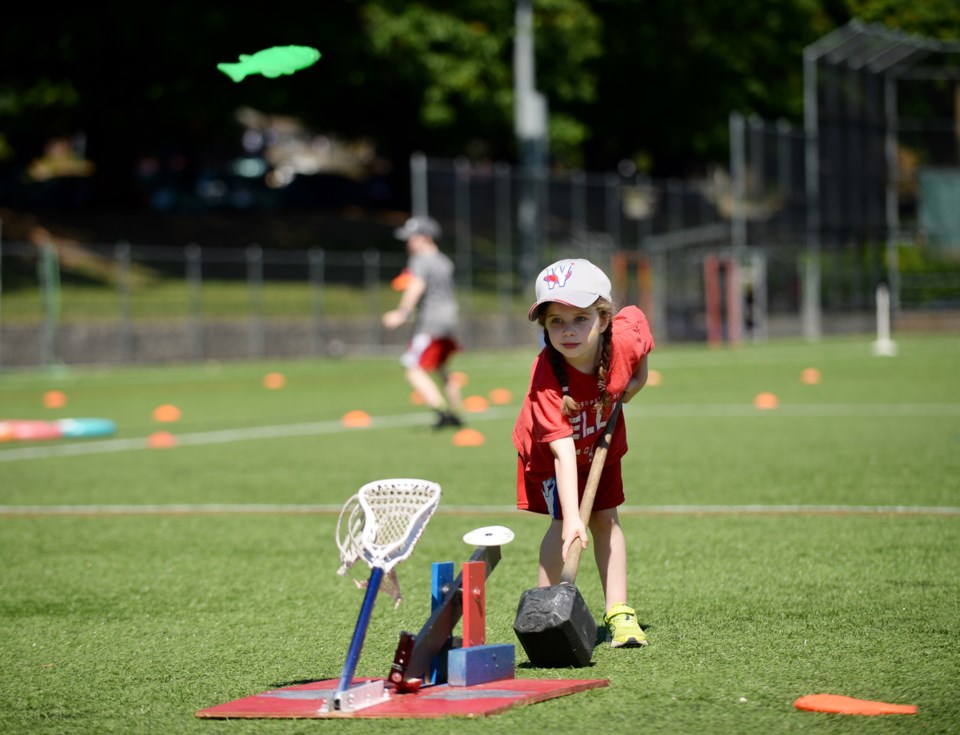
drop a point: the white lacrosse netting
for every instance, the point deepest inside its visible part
(382, 523)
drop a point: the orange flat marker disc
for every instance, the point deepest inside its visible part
(766, 401)
(500, 396)
(274, 381)
(810, 376)
(166, 413)
(161, 440)
(839, 704)
(416, 399)
(459, 377)
(475, 404)
(356, 419)
(654, 377)
(54, 399)
(468, 438)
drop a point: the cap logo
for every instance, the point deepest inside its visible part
(559, 276)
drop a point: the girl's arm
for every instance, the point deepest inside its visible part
(565, 464)
(637, 382)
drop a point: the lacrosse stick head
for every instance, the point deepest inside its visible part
(383, 522)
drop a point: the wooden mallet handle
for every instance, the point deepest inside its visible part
(572, 565)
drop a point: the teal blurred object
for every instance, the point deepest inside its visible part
(86, 428)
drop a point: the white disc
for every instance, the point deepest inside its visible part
(489, 536)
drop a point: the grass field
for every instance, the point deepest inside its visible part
(814, 547)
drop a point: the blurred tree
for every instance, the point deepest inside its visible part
(459, 68)
(647, 80)
(939, 19)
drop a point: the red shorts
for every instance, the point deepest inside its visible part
(428, 352)
(538, 493)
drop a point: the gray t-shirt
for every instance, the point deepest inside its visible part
(437, 311)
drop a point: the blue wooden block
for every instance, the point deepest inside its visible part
(480, 664)
(441, 579)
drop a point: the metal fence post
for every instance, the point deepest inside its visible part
(645, 223)
(122, 255)
(578, 205)
(315, 270)
(785, 175)
(418, 185)
(810, 305)
(194, 258)
(612, 200)
(674, 194)
(371, 279)
(659, 273)
(504, 229)
(255, 283)
(738, 216)
(464, 226)
(49, 272)
(892, 196)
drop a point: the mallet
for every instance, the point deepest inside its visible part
(553, 623)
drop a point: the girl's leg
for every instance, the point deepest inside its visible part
(610, 552)
(551, 563)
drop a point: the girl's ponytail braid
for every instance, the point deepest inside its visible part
(603, 369)
(568, 406)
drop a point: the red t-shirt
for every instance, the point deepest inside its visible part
(541, 422)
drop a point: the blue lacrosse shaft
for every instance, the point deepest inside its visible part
(359, 633)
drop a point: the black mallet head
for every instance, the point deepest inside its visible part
(555, 626)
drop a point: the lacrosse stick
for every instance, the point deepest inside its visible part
(380, 524)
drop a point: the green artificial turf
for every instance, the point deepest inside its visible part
(754, 585)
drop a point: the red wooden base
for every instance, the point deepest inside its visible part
(314, 700)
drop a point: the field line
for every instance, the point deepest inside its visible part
(278, 431)
(226, 436)
(327, 509)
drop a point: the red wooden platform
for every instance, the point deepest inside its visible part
(315, 700)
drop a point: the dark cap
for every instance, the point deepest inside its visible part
(426, 226)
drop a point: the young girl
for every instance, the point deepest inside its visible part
(591, 359)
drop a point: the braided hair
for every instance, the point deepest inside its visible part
(568, 406)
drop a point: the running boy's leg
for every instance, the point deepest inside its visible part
(424, 355)
(451, 388)
(422, 383)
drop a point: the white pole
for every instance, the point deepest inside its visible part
(884, 346)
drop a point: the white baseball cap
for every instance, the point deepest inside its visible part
(575, 282)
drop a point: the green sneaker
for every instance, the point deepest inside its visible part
(622, 627)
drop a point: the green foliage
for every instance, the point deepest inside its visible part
(461, 62)
(648, 81)
(914, 259)
(939, 19)
(929, 277)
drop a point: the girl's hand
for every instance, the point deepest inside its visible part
(573, 531)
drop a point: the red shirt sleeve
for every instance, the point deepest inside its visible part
(632, 336)
(540, 420)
